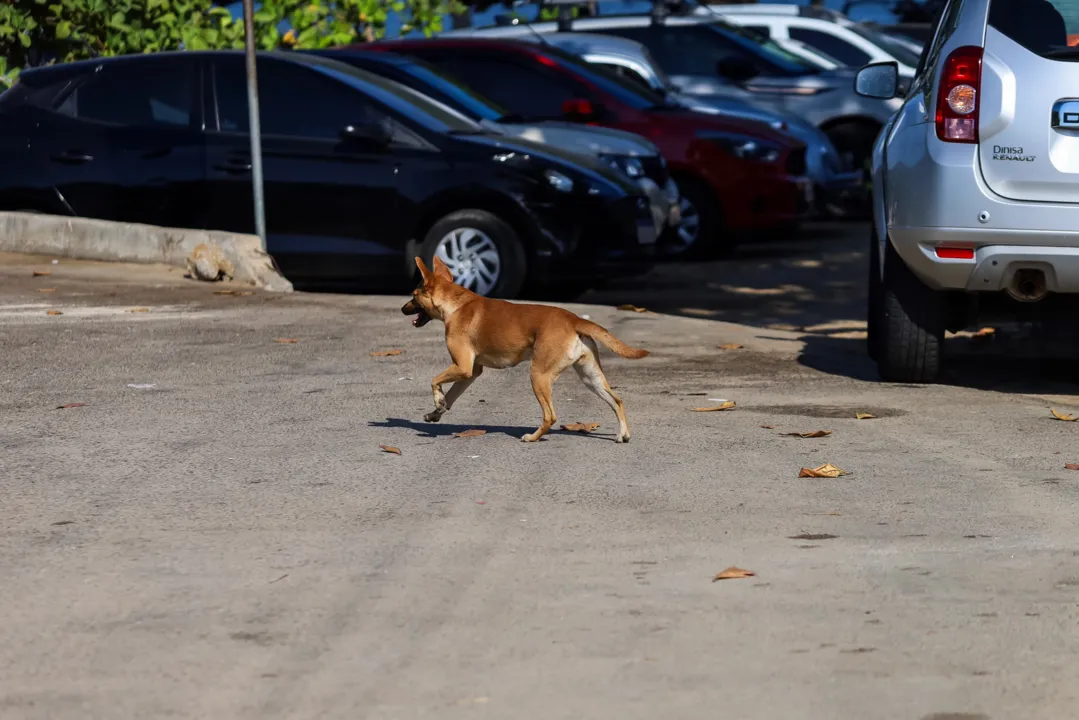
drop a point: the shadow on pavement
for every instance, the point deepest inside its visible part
(436, 430)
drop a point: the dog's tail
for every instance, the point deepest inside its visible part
(602, 335)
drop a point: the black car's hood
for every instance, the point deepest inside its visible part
(555, 157)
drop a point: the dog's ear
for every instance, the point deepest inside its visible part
(424, 272)
(441, 270)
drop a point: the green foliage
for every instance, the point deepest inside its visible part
(35, 31)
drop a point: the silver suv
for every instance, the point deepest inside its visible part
(975, 179)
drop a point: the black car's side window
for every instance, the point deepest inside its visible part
(136, 94)
(294, 101)
(522, 86)
(830, 45)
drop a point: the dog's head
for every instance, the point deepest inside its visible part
(425, 298)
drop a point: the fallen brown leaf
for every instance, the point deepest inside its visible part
(824, 471)
(632, 308)
(46, 289)
(245, 293)
(53, 312)
(474, 432)
(385, 353)
(224, 292)
(139, 309)
(813, 434)
(42, 273)
(731, 346)
(734, 573)
(1072, 466)
(71, 405)
(581, 427)
(864, 416)
(728, 405)
(390, 449)
(985, 333)
(1062, 416)
(286, 341)
(769, 427)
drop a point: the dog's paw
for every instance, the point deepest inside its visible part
(433, 416)
(530, 437)
(622, 439)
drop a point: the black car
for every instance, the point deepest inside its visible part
(361, 173)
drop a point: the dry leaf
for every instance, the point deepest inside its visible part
(390, 449)
(1062, 416)
(385, 353)
(42, 273)
(632, 308)
(734, 573)
(986, 333)
(813, 434)
(46, 289)
(139, 309)
(731, 346)
(245, 293)
(286, 341)
(224, 292)
(474, 432)
(824, 471)
(769, 427)
(581, 427)
(864, 416)
(53, 312)
(71, 405)
(728, 405)
(1072, 466)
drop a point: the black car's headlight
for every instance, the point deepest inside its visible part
(629, 166)
(746, 147)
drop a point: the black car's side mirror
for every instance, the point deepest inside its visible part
(879, 80)
(736, 69)
(369, 134)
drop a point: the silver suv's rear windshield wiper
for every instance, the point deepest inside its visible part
(1064, 53)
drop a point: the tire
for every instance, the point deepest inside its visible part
(701, 208)
(911, 326)
(483, 252)
(875, 304)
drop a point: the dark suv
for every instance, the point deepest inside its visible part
(361, 173)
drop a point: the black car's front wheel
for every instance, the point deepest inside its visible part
(482, 251)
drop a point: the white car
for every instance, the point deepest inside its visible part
(811, 33)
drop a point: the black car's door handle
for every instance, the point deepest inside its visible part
(72, 157)
(234, 167)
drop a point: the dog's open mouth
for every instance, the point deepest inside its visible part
(421, 319)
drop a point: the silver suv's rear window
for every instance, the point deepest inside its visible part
(1049, 28)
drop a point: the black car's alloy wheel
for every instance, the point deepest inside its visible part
(483, 252)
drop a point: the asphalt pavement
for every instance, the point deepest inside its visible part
(198, 520)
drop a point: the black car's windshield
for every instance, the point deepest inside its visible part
(413, 105)
(893, 47)
(766, 48)
(443, 87)
(1049, 28)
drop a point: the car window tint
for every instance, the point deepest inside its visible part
(136, 93)
(523, 88)
(830, 45)
(294, 101)
(762, 30)
(625, 73)
(1040, 26)
(686, 50)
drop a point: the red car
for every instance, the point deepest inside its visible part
(736, 177)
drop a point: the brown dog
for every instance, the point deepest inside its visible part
(481, 332)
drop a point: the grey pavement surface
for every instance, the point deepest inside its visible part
(231, 542)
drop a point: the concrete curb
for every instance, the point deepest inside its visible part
(85, 239)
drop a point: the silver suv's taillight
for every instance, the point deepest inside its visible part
(957, 101)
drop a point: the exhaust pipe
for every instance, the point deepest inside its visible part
(1028, 285)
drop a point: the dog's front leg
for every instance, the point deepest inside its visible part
(460, 377)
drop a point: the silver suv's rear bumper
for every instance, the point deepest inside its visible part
(935, 196)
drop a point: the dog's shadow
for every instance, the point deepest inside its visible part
(435, 430)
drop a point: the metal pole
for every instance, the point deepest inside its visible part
(253, 121)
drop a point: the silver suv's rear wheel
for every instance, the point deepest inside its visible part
(908, 334)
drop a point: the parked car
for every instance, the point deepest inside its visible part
(734, 176)
(629, 154)
(837, 190)
(705, 56)
(837, 37)
(975, 180)
(361, 173)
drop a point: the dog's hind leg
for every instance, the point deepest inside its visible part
(591, 374)
(541, 385)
